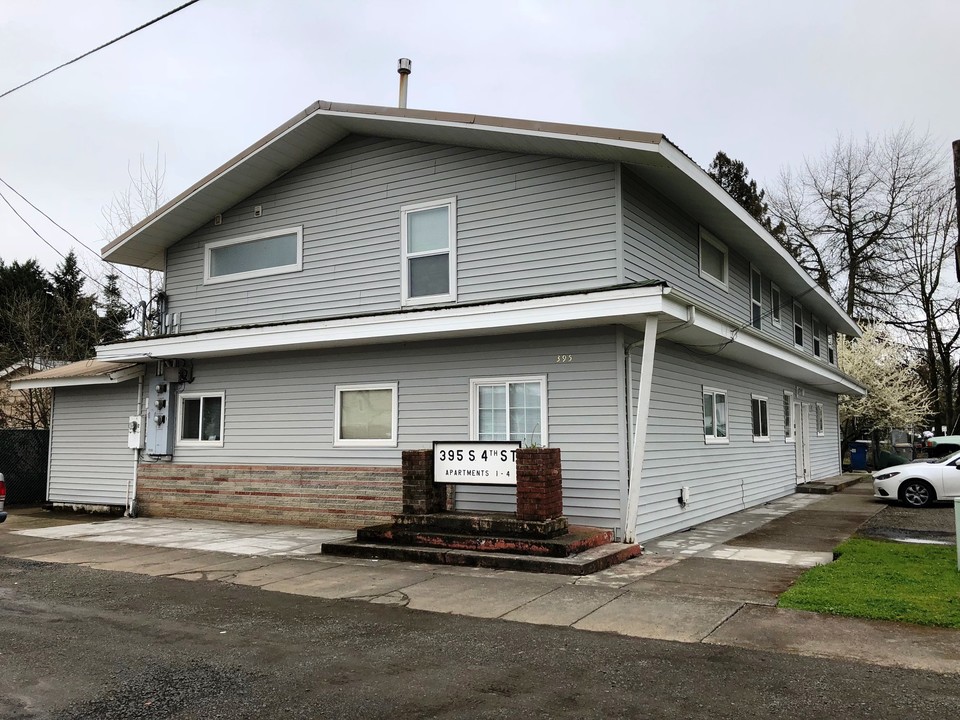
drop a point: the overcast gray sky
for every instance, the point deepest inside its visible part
(767, 82)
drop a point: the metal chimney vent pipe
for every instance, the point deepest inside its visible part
(404, 67)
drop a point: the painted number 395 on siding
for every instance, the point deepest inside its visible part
(564, 358)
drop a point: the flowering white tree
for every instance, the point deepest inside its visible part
(896, 396)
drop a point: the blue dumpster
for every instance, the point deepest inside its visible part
(858, 456)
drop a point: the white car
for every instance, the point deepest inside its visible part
(919, 484)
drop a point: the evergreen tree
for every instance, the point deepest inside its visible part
(67, 279)
(733, 176)
(76, 321)
(115, 313)
(26, 322)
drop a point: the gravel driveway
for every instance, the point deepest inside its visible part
(896, 522)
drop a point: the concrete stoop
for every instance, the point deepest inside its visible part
(832, 485)
(583, 563)
(504, 541)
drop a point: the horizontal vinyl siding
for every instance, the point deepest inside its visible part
(526, 224)
(278, 408)
(661, 242)
(722, 478)
(824, 450)
(90, 462)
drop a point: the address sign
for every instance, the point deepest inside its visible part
(475, 463)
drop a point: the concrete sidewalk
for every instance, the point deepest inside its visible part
(717, 583)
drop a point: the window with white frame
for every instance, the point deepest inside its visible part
(788, 416)
(820, 419)
(756, 297)
(714, 415)
(713, 259)
(760, 417)
(816, 337)
(428, 249)
(267, 253)
(798, 324)
(775, 300)
(831, 356)
(509, 409)
(365, 415)
(200, 419)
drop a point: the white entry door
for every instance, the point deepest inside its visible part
(801, 434)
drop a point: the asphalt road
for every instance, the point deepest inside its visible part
(82, 643)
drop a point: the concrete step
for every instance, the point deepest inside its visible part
(832, 485)
(584, 563)
(575, 541)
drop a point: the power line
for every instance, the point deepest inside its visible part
(101, 47)
(82, 243)
(57, 251)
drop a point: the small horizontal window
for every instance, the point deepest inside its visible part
(200, 420)
(366, 415)
(274, 252)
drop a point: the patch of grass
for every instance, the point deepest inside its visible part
(883, 581)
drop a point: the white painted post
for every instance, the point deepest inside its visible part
(640, 426)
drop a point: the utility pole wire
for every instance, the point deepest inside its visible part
(54, 248)
(82, 243)
(101, 47)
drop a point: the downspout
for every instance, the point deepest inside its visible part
(643, 409)
(132, 482)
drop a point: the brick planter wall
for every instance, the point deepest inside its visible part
(539, 484)
(334, 497)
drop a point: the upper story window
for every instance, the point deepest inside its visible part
(715, 416)
(831, 357)
(713, 260)
(200, 420)
(267, 253)
(428, 249)
(775, 300)
(816, 337)
(756, 297)
(798, 324)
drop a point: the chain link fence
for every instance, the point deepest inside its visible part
(23, 462)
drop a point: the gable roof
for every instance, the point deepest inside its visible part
(651, 156)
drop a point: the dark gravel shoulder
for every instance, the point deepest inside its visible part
(896, 522)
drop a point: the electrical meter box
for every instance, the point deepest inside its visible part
(135, 434)
(161, 416)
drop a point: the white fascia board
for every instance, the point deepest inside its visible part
(745, 338)
(847, 326)
(109, 379)
(495, 129)
(226, 171)
(604, 307)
